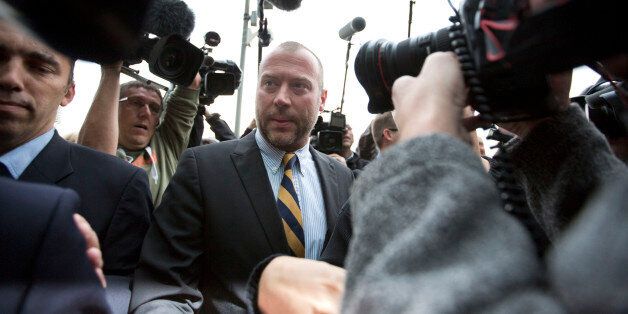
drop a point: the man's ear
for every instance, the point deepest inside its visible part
(323, 99)
(387, 134)
(69, 95)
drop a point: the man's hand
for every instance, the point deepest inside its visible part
(297, 285)
(196, 83)
(93, 247)
(341, 159)
(432, 102)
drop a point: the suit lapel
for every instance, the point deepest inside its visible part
(248, 162)
(329, 185)
(52, 164)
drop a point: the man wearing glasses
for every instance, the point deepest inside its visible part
(133, 127)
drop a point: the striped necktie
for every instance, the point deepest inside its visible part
(288, 205)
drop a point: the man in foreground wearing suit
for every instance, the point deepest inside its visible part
(34, 81)
(229, 205)
(44, 266)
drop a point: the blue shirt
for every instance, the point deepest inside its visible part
(18, 159)
(308, 188)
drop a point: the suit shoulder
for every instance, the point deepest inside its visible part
(337, 165)
(216, 149)
(101, 160)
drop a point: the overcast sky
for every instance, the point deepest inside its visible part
(315, 24)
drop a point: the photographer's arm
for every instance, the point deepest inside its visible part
(100, 129)
(181, 106)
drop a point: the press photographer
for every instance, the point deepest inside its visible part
(445, 224)
(132, 120)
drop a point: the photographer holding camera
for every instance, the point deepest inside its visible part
(130, 121)
(446, 244)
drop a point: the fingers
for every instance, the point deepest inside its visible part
(432, 102)
(94, 255)
(196, 83)
(91, 239)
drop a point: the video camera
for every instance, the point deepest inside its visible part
(505, 53)
(176, 60)
(171, 57)
(219, 77)
(326, 137)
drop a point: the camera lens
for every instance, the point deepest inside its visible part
(171, 61)
(379, 63)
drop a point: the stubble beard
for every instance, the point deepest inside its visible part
(287, 141)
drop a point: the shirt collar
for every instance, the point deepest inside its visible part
(18, 159)
(275, 155)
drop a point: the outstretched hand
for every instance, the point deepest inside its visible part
(297, 285)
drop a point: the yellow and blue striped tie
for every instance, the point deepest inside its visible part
(288, 205)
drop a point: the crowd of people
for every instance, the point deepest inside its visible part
(141, 216)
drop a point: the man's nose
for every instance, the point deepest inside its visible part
(11, 75)
(282, 97)
(144, 110)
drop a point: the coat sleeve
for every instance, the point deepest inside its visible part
(128, 226)
(430, 237)
(170, 264)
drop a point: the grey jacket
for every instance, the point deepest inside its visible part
(430, 234)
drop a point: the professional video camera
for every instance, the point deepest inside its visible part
(505, 53)
(171, 57)
(176, 60)
(219, 77)
(327, 136)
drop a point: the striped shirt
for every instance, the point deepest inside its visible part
(308, 188)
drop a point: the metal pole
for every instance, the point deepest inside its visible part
(245, 26)
(410, 17)
(344, 85)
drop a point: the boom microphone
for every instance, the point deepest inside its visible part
(286, 5)
(356, 25)
(165, 17)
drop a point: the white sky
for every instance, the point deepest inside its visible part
(316, 25)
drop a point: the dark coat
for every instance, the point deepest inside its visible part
(44, 266)
(217, 221)
(115, 198)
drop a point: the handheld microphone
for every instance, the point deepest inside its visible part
(286, 5)
(166, 17)
(356, 25)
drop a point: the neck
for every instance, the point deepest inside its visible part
(346, 152)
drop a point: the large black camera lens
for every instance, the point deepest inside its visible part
(175, 59)
(379, 63)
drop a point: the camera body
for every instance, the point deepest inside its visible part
(327, 136)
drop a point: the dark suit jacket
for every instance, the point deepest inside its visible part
(43, 265)
(217, 220)
(115, 198)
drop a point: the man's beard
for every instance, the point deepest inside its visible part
(285, 141)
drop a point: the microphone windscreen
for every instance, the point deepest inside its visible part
(286, 5)
(356, 25)
(102, 31)
(165, 17)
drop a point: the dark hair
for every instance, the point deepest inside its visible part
(382, 121)
(72, 64)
